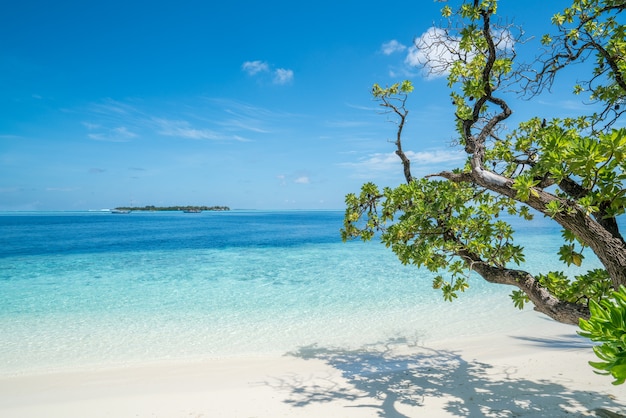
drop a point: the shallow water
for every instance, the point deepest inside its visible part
(97, 289)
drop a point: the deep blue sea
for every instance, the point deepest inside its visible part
(85, 289)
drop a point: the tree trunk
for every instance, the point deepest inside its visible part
(546, 303)
(610, 250)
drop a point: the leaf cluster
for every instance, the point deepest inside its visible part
(590, 30)
(478, 47)
(540, 154)
(594, 285)
(607, 325)
(402, 88)
(431, 223)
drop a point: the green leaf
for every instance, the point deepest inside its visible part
(569, 256)
(607, 325)
(519, 299)
(438, 282)
(546, 40)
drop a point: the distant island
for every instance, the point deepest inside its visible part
(151, 208)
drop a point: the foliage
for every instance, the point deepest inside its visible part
(591, 29)
(433, 222)
(607, 325)
(571, 170)
(594, 285)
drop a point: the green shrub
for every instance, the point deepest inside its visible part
(607, 325)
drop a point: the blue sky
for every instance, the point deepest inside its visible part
(249, 104)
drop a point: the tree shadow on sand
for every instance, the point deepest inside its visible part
(395, 376)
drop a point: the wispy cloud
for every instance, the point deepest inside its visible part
(113, 121)
(242, 120)
(91, 126)
(293, 178)
(110, 106)
(255, 67)
(183, 129)
(244, 124)
(251, 119)
(235, 107)
(361, 107)
(117, 134)
(348, 124)
(196, 118)
(389, 162)
(392, 47)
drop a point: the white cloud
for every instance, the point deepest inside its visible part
(390, 162)
(110, 106)
(183, 129)
(302, 180)
(243, 123)
(279, 76)
(436, 156)
(283, 76)
(255, 67)
(91, 126)
(435, 50)
(432, 53)
(391, 47)
(209, 119)
(504, 40)
(119, 134)
(123, 132)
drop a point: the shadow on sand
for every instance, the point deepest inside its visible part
(563, 342)
(395, 377)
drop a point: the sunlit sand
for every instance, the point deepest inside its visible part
(538, 370)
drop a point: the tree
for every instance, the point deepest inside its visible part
(570, 170)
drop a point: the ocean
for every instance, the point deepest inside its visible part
(96, 289)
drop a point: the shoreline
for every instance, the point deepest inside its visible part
(534, 371)
(104, 345)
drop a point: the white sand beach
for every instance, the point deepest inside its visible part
(539, 370)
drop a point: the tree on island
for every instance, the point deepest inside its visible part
(571, 170)
(152, 208)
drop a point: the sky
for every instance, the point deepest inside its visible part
(247, 104)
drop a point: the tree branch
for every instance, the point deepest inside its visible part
(546, 303)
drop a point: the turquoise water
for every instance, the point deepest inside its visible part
(99, 289)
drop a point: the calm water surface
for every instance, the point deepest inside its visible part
(96, 289)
